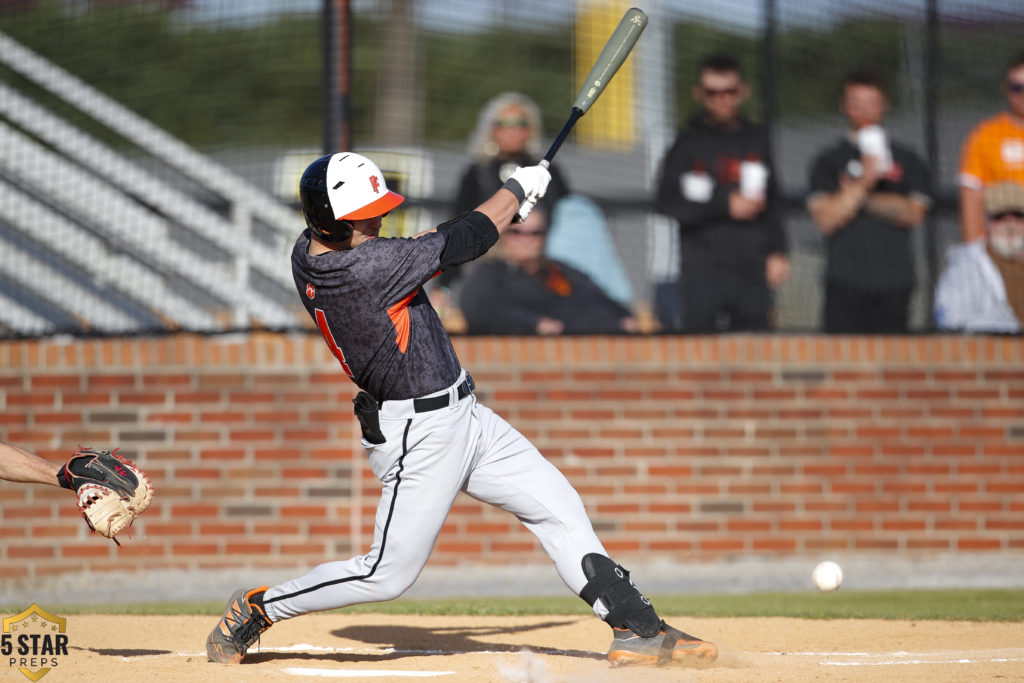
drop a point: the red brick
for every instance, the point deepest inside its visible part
(28, 552)
(156, 528)
(247, 548)
(185, 549)
(110, 381)
(148, 549)
(34, 400)
(782, 545)
(862, 524)
(223, 454)
(800, 525)
(975, 543)
(304, 511)
(725, 545)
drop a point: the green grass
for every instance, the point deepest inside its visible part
(961, 605)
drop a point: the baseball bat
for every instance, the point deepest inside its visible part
(614, 53)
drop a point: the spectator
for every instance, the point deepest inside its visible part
(866, 196)
(525, 293)
(717, 181)
(993, 152)
(508, 134)
(981, 288)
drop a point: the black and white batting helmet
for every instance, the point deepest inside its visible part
(342, 187)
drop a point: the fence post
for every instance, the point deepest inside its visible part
(337, 47)
(931, 88)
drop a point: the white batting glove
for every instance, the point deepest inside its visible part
(533, 181)
(524, 210)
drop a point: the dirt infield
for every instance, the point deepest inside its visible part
(544, 649)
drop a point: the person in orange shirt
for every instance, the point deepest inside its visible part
(992, 153)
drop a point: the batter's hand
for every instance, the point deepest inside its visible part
(534, 181)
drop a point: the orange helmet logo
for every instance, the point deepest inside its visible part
(310, 291)
(375, 184)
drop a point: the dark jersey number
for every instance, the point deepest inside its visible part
(325, 330)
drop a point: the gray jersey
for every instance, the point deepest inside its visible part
(369, 305)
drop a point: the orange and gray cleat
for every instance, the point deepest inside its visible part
(243, 621)
(670, 646)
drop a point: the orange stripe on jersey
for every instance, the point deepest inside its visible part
(399, 314)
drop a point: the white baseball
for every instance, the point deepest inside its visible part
(827, 576)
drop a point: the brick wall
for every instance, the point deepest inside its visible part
(683, 448)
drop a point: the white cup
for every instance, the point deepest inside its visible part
(753, 179)
(697, 187)
(873, 142)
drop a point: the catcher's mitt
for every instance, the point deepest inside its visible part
(111, 490)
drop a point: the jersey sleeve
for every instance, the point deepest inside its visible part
(822, 179)
(394, 268)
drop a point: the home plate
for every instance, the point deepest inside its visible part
(364, 673)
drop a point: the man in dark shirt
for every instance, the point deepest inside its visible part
(526, 293)
(717, 181)
(867, 194)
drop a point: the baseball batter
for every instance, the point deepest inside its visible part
(424, 432)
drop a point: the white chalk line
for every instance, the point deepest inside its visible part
(902, 658)
(364, 673)
(899, 658)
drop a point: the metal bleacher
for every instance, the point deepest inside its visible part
(93, 240)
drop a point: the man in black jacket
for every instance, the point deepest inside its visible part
(717, 181)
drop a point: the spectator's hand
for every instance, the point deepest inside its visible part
(550, 327)
(629, 324)
(744, 208)
(872, 172)
(777, 269)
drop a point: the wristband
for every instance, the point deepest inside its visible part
(513, 186)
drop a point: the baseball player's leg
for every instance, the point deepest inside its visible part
(426, 471)
(511, 474)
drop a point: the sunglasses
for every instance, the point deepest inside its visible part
(1003, 215)
(519, 232)
(718, 92)
(512, 123)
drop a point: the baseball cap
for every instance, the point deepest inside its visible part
(1003, 197)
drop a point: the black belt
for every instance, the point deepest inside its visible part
(425, 405)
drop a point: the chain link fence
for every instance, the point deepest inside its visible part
(174, 232)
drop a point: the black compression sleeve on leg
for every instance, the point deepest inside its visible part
(466, 238)
(627, 607)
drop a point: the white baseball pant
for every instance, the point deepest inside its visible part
(427, 459)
